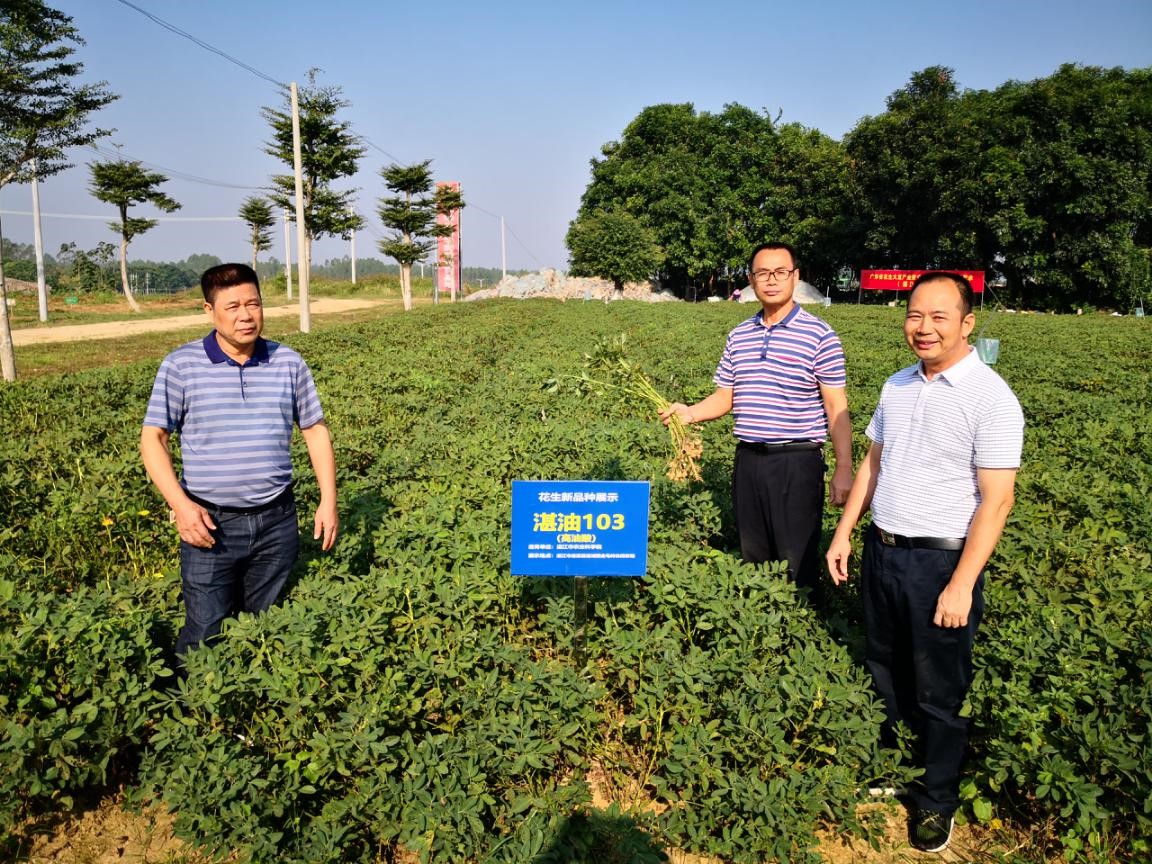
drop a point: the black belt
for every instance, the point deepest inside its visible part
(781, 447)
(945, 543)
(282, 498)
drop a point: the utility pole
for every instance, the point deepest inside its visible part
(353, 253)
(301, 232)
(41, 283)
(7, 350)
(287, 255)
(503, 258)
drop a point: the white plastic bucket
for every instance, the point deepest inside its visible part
(988, 351)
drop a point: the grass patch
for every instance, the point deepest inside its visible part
(64, 357)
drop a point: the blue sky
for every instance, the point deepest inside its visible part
(511, 98)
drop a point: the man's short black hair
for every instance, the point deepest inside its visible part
(967, 295)
(226, 276)
(785, 246)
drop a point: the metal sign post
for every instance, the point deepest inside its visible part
(579, 528)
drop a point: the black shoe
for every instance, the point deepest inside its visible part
(931, 831)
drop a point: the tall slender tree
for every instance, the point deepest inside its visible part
(328, 151)
(124, 183)
(410, 212)
(258, 216)
(43, 109)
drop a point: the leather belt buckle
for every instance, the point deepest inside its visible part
(886, 538)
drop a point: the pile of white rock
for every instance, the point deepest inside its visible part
(553, 284)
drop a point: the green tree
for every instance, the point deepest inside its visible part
(1068, 186)
(328, 151)
(410, 213)
(88, 270)
(653, 172)
(1047, 183)
(257, 215)
(613, 245)
(913, 166)
(124, 183)
(198, 262)
(712, 186)
(43, 110)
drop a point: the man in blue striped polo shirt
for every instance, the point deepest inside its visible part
(234, 398)
(782, 375)
(939, 477)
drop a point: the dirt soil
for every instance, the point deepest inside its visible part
(108, 833)
(117, 329)
(105, 833)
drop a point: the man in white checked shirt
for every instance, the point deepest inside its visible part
(939, 478)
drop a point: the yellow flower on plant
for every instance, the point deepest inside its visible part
(144, 513)
(107, 521)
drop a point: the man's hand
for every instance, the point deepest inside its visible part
(327, 522)
(194, 524)
(840, 484)
(680, 410)
(837, 557)
(953, 606)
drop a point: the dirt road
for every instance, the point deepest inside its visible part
(117, 329)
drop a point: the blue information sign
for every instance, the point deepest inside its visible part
(579, 528)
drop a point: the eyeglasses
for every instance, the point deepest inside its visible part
(781, 273)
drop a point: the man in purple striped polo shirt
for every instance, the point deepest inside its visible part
(235, 397)
(782, 376)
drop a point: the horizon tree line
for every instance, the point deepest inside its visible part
(1046, 185)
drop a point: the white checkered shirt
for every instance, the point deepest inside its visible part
(935, 434)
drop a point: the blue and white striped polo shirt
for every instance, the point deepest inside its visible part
(775, 374)
(235, 422)
(935, 434)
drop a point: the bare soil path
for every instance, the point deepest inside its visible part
(133, 327)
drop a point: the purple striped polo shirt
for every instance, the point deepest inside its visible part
(235, 422)
(775, 374)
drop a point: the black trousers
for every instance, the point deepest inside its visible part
(921, 672)
(778, 499)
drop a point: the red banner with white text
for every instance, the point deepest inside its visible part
(901, 280)
(448, 270)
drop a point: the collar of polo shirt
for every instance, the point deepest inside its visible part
(216, 353)
(783, 322)
(954, 374)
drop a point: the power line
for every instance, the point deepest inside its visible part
(173, 28)
(180, 174)
(107, 218)
(207, 47)
(374, 146)
(523, 246)
(280, 84)
(472, 206)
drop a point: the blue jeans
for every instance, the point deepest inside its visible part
(244, 572)
(921, 672)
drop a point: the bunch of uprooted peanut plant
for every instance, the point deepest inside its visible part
(608, 368)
